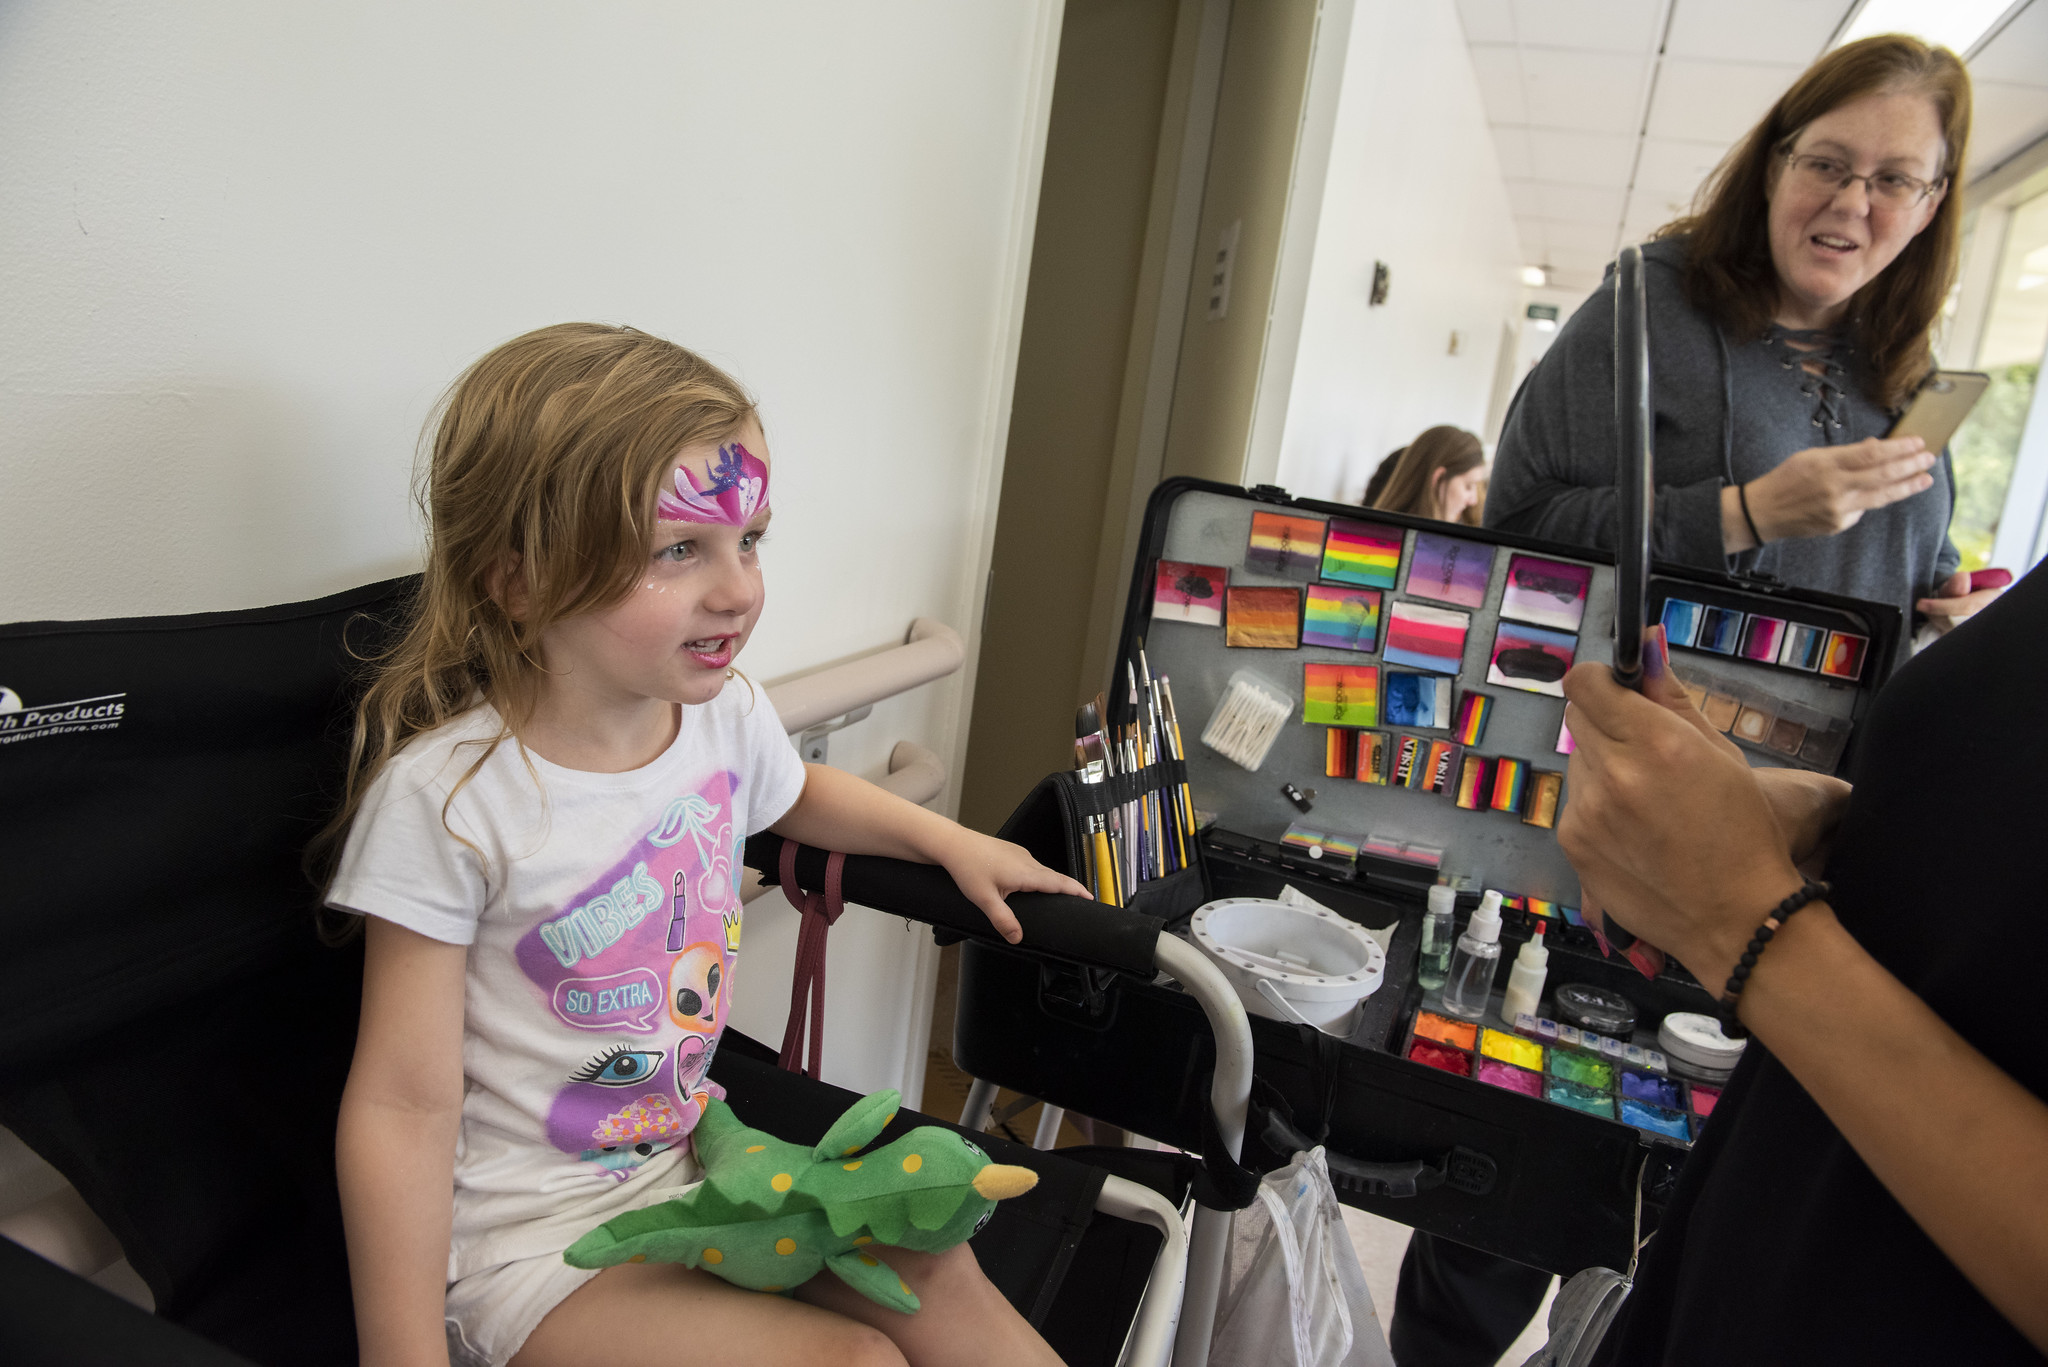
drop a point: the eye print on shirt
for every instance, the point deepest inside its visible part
(619, 1065)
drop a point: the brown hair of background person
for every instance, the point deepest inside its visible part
(1475, 516)
(1377, 485)
(1729, 272)
(1434, 464)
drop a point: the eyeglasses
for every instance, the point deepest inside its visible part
(1831, 175)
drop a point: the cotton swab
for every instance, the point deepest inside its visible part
(1247, 721)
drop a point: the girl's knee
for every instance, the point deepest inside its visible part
(867, 1346)
(954, 1275)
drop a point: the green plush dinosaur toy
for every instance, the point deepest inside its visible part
(769, 1213)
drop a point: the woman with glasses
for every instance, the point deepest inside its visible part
(1790, 320)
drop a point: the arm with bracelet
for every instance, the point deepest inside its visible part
(1890, 1132)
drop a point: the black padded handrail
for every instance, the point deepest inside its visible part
(1072, 928)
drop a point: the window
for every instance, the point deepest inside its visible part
(2009, 349)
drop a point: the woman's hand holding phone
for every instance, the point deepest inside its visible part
(1962, 595)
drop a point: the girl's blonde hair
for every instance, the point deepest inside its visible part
(543, 471)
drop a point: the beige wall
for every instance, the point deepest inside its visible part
(247, 244)
(1258, 118)
(1093, 210)
(1171, 120)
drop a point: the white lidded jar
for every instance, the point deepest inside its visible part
(1473, 962)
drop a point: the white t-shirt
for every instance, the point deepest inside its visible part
(603, 922)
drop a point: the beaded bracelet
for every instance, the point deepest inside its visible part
(1814, 890)
(1742, 497)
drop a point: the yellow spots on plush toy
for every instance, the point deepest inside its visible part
(888, 1120)
(785, 1246)
(854, 1166)
(903, 1286)
(713, 1256)
(912, 1162)
(637, 1258)
(781, 1181)
(863, 1239)
(770, 1290)
(851, 1148)
(756, 1148)
(870, 1261)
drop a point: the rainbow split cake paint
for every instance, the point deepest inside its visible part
(1362, 553)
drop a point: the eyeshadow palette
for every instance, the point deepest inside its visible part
(1760, 638)
(1791, 732)
(1567, 1067)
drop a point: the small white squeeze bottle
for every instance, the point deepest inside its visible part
(1525, 979)
(1433, 963)
(1472, 965)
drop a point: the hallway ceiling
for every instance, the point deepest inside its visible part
(1607, 114)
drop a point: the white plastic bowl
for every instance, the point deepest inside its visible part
(1321, 963)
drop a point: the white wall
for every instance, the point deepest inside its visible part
(1413, 181)
(244, 245)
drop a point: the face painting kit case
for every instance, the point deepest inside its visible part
(1380, 697)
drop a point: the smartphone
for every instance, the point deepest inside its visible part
(1940, 405)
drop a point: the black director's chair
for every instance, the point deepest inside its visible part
(174, 1040)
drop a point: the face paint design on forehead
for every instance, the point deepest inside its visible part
(738, 490)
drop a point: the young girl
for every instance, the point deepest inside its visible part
(552, 776)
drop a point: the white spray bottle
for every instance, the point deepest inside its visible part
(1473, 963)
(1525, 979)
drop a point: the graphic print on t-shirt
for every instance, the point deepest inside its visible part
(641, 959)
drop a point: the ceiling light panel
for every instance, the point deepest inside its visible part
(1753, 30)
(1953, 24)
(1487, 21)
(1715, 101)
(1623, 26)
(2019, 54)
(1587, 92)
(1579, 158)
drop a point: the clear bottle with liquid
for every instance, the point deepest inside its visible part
(1473, 963)
(1433, 964)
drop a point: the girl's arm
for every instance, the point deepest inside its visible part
(1675, 837)
(838, 811)
(395, 1149)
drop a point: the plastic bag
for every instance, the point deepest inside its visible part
(1295, 1295)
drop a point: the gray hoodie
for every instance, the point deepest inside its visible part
(1726, 411)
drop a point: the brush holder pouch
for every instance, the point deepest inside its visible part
(1053, 823)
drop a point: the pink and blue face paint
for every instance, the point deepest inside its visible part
(738, 489)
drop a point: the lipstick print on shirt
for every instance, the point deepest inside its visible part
(738, 489)
(642, 958)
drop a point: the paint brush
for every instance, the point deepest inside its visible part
(1180, 752)
(1095, 769)
(1163, 795)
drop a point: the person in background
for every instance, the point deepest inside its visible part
(1438, 475)
(1789, 321)
(1789, 317)
(1382, 472)
(1475, 516)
